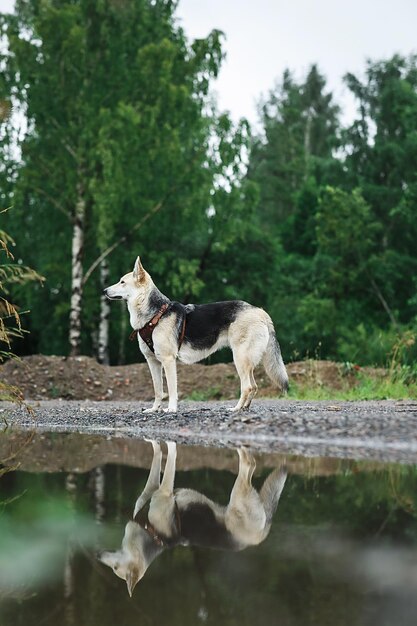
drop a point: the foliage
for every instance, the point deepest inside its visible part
(11, 274)
(382, 153)
(344, 215)
(309, 219)
(367, 388)
(300, 125)
(213, 393)
(118, 115)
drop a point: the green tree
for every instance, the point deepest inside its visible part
(119, 129)
(382, 153)
(345, 234)
(300, 133)
(290, 163)
(343, 218)
(341, 290)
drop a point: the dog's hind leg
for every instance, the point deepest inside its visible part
(248, 385)
(253, 392)
(248, 338)
(243, 482)
(152, 484)
(155, 368)
(245, 515)
(247, 465)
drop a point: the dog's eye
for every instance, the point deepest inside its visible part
(122, 282)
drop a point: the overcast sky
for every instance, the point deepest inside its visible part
(263, 37)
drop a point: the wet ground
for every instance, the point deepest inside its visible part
(371, 430)
(319, 540)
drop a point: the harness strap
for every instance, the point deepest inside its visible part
(146, 331)
(142, 518)
(181, 339)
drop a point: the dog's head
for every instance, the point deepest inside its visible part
(124, 567)
(130, 285)
(130, 563)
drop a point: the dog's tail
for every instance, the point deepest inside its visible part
(272, 360)
(271, 491)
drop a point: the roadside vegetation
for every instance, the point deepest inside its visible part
(367, 388)
(11, 274)
(396, 381)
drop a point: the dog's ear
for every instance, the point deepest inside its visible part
(132, 579)
(138, 271)
(107, 558)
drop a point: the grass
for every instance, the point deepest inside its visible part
(367, 388)
(202, 395)
(393, 386)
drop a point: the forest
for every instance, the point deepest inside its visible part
(112, 146)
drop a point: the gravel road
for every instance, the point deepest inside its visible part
(374, 430)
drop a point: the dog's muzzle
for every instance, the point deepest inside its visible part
(105, 291)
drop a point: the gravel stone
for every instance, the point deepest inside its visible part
(383, 430)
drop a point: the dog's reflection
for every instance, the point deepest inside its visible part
(187, 517)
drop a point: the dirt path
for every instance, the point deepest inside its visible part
(374, 430)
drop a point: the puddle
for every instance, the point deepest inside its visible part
(315, 541)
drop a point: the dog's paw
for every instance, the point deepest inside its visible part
(155, 443)
(153, 409)
(246, 456)
(170, 410)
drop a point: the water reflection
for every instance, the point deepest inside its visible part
(164, 517)
(342, 548)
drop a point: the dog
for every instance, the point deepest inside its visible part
(168, 331)
(187, 517)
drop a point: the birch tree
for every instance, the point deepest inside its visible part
(114, 97)
(104, 326)
(46, 67)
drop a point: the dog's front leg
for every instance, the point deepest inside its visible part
(155, 368)
(152, 484)
(162, 505)
(167, 484)
(170, 368)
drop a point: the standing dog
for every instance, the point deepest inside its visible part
(169, 330)
(187, 517)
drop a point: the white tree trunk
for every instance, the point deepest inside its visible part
(307, 142)
(77, 274)
(123, 332)
(69, 575)
(103, 329)
(99, 493)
